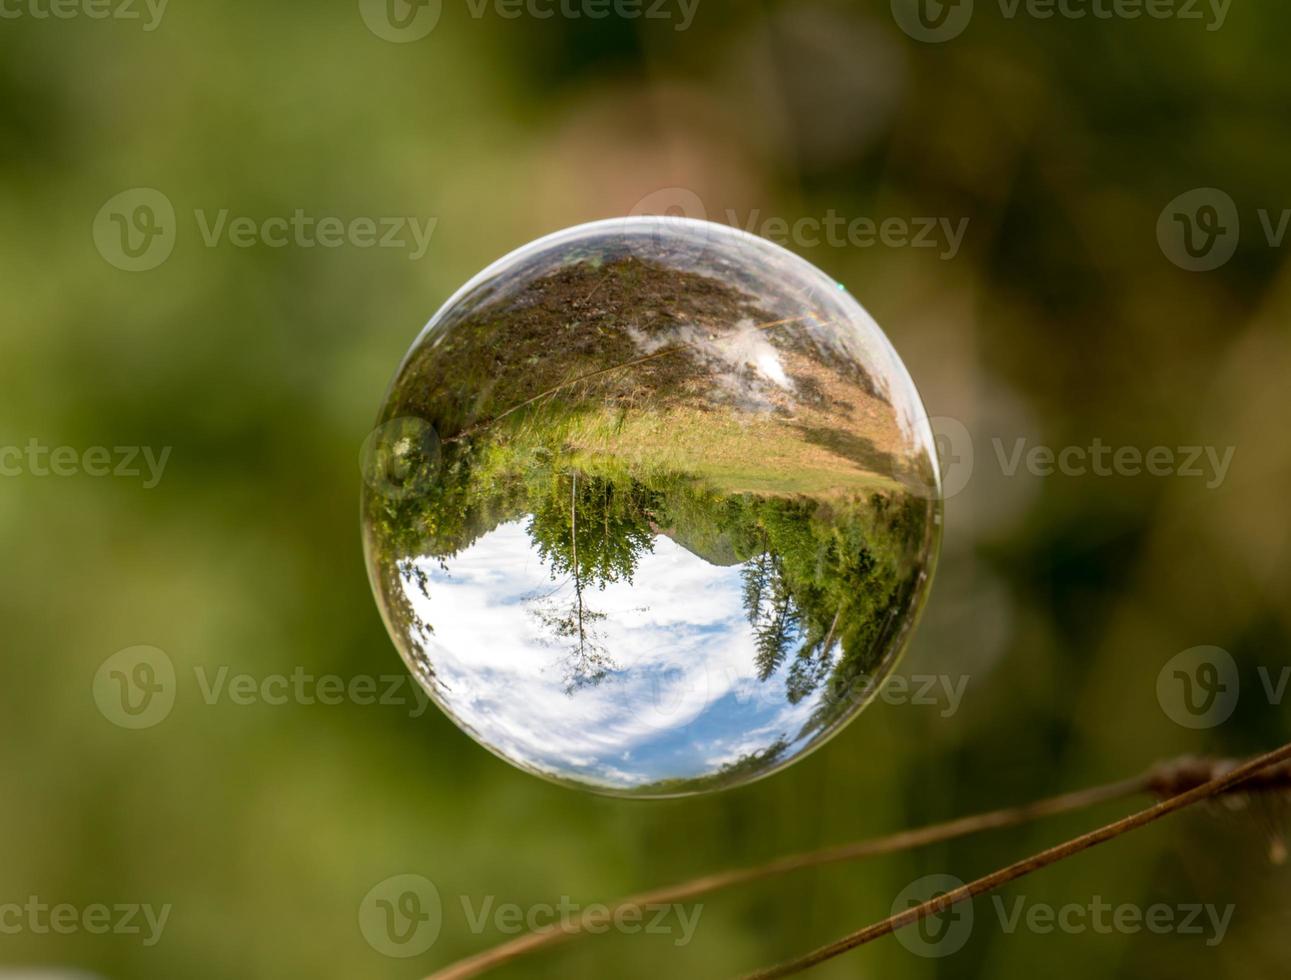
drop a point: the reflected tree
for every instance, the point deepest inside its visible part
(596, 530)
(595, 535)
(771, 611)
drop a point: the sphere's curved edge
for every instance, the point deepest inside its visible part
(824, 306)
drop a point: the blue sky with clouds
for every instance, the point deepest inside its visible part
(682, 700)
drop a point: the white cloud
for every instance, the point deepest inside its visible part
(678, 636)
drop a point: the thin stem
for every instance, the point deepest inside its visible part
(1213, 787)
(905, 840)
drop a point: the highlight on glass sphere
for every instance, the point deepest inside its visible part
(651, 507)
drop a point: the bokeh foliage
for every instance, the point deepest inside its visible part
(1059, 321)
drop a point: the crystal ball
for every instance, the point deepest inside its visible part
(651, 507)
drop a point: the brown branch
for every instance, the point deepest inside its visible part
(1254, 770)
(1168, 779)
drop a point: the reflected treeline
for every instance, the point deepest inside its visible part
(822, 579)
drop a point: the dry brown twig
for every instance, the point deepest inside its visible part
(1169, 781)
(1267, 768)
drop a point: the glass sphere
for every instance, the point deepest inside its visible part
(651, 507)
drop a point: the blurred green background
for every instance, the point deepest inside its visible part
(1061, 598)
